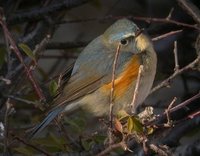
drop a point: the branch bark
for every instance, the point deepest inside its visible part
(191, 9)
(40, 13)
(18, 54)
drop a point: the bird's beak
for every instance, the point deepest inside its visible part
(138, 33)
(142, 41)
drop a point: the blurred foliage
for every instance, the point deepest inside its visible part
(26, 49)
(53, 88)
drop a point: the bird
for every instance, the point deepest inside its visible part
(90, 82)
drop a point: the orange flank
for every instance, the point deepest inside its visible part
(125, 78)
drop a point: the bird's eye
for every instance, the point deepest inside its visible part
(124, 42)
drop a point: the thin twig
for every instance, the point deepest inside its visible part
(18, 54)
(135, 94)
(168, 110)
(32, 146)
(186, 102)
(164, 20)
(166, 35)
(112, 92)
(42, 12)
(178, 72)
(60, 80)
(21, 100)
(171, 104)
(157, 150)
(111, 148)
(9, 59)
(176, 108)
(176, 57)
(79, 44)
(42, 45)
(191, 9)
(144, 145)
(170, 14)
(7, 81)
(137, 18)
(191, 116)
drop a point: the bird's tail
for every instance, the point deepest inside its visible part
(38, 128)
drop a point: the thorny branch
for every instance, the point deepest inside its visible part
(135, 94)
(21, 100)
(166, 35)
(40, 13)
(168, 110)
(176, 56)
(111, 148)
(18, 54)
(174, 109)
(158, 150)
(135, 18)
(191, 116)
(191, 9)
(112, 92)
(178, 72)
(78, 44)
(184, 103)
(32, 146)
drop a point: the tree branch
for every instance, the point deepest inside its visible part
(136, 18)
(135, 94)
(32, 146)
(110, 148)
(191, 9)
(112, 92)
(40, 13)
(177, 72)
(18, 54)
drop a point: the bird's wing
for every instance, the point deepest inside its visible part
(81, 87)
(92, 69)
(81, 84)
(88, 76)
(65, 76)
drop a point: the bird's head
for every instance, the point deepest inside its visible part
(128, 35)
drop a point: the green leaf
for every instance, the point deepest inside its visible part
(134, 125)
(50, 144)
(100, 139)
(59, 142)
(122, 114)
(87, 144)
(150, 130)
(47, 142)
(77, 124)
(25, 48)
(53, 87)
(24, 150)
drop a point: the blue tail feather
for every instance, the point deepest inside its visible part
(46, 121)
